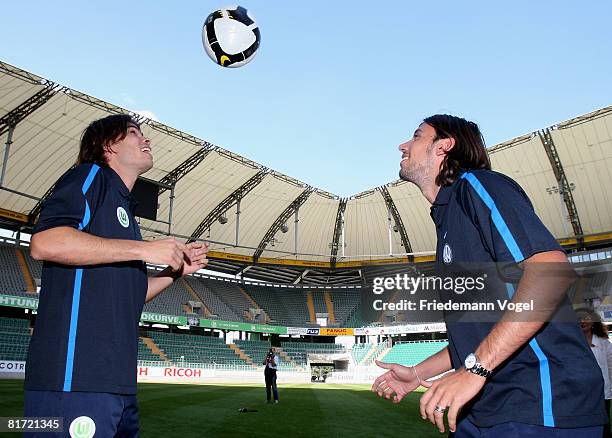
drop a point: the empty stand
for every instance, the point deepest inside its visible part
(184, 348)
(411, 353)
(319, 301)
(145, 353)
(360, 352)
(34, 265)
(170, 301)
(283, 306)
(211, 300)
(11, 277)
(231, 295)
(14, 339)
(256, 350)
(346, 303)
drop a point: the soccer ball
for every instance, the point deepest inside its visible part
(230, 36)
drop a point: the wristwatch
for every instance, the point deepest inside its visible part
(473, 365)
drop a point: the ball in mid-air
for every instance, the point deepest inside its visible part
(231, 36)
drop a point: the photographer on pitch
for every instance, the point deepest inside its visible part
(271, 362)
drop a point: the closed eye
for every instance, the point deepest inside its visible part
(135, 131)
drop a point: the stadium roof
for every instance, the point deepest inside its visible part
(276, 219)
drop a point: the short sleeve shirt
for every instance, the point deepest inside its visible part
(86, 332)
(553, 380)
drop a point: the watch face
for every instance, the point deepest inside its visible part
(470, 361)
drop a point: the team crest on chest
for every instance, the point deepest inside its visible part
(447, 254)
(123, 217)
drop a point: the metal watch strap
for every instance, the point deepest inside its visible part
(478, 369)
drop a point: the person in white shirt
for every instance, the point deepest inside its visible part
(596, 334)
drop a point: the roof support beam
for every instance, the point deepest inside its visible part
(301, 276)
(228, 202)
(10, 120)
(185, 167)
(113, 109)
(24, 109)
(7, 153)
(338, 230)
(399, 224)
(564, 187)
(280, 221)
(243, 271)
(22, 74)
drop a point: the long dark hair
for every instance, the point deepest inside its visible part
(469, 152)
(102, 133)
(598, 328)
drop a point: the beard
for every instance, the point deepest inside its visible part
(419, 173)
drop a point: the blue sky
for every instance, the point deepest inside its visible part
(336, 86)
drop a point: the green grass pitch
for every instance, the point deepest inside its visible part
(306, 410)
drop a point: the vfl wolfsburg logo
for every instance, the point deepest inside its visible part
(447, 254)
(82, 427)
(123, 217)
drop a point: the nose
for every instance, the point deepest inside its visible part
(404, 146)
(147, 141)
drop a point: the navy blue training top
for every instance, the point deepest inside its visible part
(553, 380)
(86, 334)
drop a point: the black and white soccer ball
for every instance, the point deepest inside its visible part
(231, 36)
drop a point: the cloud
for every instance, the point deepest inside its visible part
(127, 99)
(148, 114)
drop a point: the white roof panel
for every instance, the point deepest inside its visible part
(45, 145)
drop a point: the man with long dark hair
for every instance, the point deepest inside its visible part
(83, 354)
(512, 376)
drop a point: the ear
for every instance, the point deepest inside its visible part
(444, 146)
(108, 151)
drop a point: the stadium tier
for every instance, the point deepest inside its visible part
(346, 304)
(411, 353)
(232, 295)
(283, 306)
(360, 352)
(300, 358)
(376, 351)
(227, 300)
(145, 353)
(12, 278)
(35, 266)
(318, 301)
(601, 284)
(313, 347)
(215, 305)
(256, 350)
(183, 348)
(298, 352)
(223, 300)
(15, 339)
(171, 301)
(180, 349)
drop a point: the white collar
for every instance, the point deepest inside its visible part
(598, 341)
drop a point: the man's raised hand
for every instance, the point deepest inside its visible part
(168, 251)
